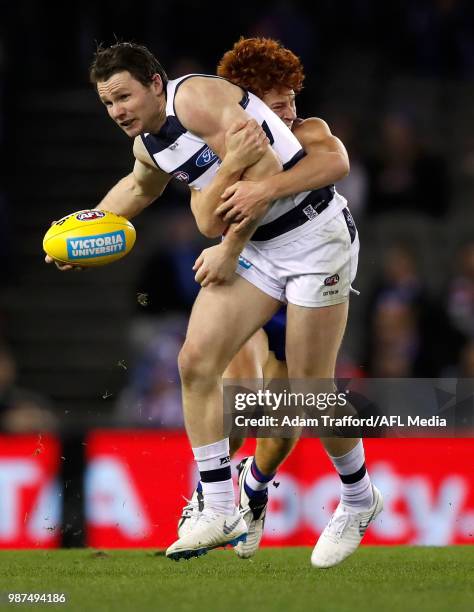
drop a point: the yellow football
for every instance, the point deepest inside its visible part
(89, 238)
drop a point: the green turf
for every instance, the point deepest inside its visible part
(385, 578)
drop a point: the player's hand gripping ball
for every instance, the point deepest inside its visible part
(89, 238)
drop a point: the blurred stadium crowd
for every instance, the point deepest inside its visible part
(394, 80)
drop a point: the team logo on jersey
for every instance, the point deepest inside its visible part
(181, 176)
(205, 158)
(331, 280)
(90, 215)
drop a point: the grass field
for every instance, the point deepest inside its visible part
(389, 578)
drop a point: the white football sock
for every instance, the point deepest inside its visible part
(213, 461)
(356, 488)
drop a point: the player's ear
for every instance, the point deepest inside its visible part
(157, 84)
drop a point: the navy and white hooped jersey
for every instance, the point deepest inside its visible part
(182, 154)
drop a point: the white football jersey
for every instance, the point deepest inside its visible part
(188, 158)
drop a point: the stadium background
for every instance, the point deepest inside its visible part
(89, 360)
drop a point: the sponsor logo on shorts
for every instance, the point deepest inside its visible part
(245, 263)
(181, 176)
(86, 247)
(331, 280)
(333, 292)
(225, 460)
(90, 215)
(205, 158)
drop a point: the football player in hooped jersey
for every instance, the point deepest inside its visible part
(180, 129)
(275, 74)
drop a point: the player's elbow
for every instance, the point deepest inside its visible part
(143, 189)
(346, 166)
(209, 227)
(268, 165)
(212, 232)
(341, 167)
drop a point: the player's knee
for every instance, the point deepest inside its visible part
(189, 362)
(194, 364)
(285, 445)
(277, 447)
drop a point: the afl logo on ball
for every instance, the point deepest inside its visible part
(181, 176)
(331, 280)
(90, 215)
(205, 158)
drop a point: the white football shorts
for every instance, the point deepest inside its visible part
(311, 266)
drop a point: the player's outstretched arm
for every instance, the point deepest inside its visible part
(139, 189)
(131, 194)
(326, 162)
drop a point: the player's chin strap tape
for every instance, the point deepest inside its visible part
(312, 206)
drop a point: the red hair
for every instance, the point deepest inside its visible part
(261, 64)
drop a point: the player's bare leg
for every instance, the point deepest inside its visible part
(314, 336)
(254, 360)
(271, 452)
(223, 318)
(313, 339)
(312, 352)
(249, 362)
(246, 365)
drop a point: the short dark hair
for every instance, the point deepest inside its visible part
(125, 56)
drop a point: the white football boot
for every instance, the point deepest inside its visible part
(344, 532)
(253, 512)
(190, 513)
(211, 530)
